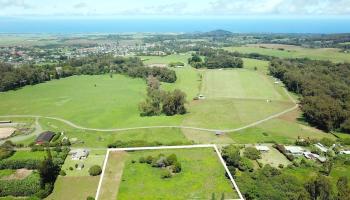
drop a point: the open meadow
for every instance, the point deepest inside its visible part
(290, 51)
(202, 175)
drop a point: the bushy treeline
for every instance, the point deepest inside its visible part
(324, 87)
(12, 77)
(215, 58)
(265, 182)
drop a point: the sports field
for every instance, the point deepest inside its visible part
(290, 51)
(202, 175)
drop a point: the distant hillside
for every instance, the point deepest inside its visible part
(218, 33)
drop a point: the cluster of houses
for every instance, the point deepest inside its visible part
(298, 151)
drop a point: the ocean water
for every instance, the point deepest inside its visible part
(274, 25)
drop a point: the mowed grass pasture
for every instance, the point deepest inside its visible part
(291, 51)
(202, 175)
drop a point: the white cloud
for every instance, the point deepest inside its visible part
(173, 7)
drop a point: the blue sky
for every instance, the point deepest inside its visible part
(174, 8)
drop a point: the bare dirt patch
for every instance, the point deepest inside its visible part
(113, 175)
(6, 132)
(18, 175)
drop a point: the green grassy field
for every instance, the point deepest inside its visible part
(166, 59)
(240, 84)
(202, 174)
(22, 155)
(74, 188)
(260, 65)
(112, 103)
(291, 51)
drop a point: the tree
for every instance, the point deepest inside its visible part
(231, 155)
(172, 159)
(48, 170)
(174, 103)
(319, 188)
(95, 170)
(343, 188)
(252, 153)
(177, 167)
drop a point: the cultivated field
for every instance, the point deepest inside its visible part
(202, 175)
(291, 51)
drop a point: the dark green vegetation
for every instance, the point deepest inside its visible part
(215, 59)
(15, 77)
(325, 88)
(95, 170)
(302, 180)
(169, 164)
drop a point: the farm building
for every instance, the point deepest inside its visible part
(44, 137)
(344, 152)
(6, 132)
(295, 150)
(313, 156)
(79, 154)
(321, 147)
(262, 148)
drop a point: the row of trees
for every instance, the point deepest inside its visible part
(325, 88)
(215, 59)
(12, 77)
(162, 102)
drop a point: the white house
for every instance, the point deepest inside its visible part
(262, 148)
(295, 150)
(346, 152)
(79, 154)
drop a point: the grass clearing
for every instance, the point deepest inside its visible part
(23, 155)
(231, 113)
(273, 157)
(202, 174)
(284, 129)
(291, 51)
(183, 57)
(240, 84)
(260, 65)
(74, 187)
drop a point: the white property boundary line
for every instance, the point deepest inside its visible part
(167, 147)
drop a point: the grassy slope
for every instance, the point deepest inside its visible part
(112, 103)
(22, 155)
(294, 52)
(202, 175)
(238, 83)
(74, 188)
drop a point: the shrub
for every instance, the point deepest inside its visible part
(63, 173)
(165, 174)
(176, 168)
(149, 159)
(90, 198)
(172, 159)
(95, 170)
(281, 166)
(71, 168)
(252, 153)
(142, 160)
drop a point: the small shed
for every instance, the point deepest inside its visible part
(345, 152)
(262, 148)
(321, 147)
(44, 137)
(218, 133)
